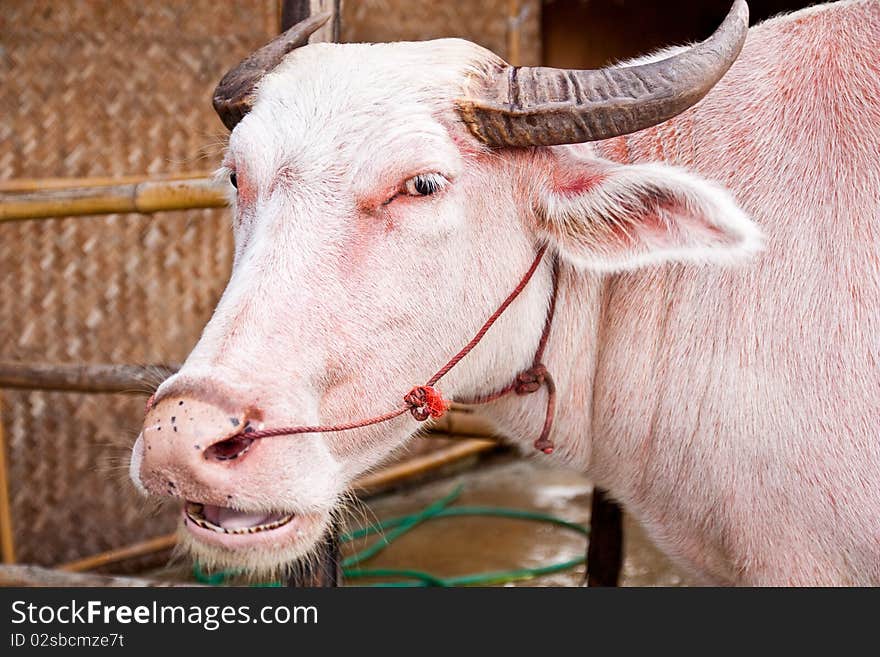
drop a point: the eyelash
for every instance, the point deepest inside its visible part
(425, 184)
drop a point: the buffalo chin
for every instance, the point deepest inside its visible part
(259, 557)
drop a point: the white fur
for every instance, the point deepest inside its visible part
(703, 223)
(134, 465)
(732, 410)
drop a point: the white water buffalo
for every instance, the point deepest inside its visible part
(716, 341)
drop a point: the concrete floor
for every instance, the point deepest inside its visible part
(456, 546)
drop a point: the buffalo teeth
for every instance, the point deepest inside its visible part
(193, 513)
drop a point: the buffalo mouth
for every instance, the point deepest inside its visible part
(225, 520)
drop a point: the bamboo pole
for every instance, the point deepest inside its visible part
(19, 185)
(420, 465)
(292, 12)
(7, 545)
(140, 549)
(459, 423)
(367, 485)
(136, 379)
(143, 197)
(514, 31)
(38, 576)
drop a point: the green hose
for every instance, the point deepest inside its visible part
(400, 527)
(394, 528)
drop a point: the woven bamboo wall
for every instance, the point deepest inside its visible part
(487, 22)
(110, 88)
(105, 88)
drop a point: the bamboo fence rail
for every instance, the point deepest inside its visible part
(144, 196)
(416, 467)
(139, 549)
(19, 185)
(132, 379)
(7, 548)
(36, 576)
(142, 379)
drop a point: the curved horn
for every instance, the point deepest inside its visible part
(234, 95)
(547, 106)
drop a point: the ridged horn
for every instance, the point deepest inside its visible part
(233, 97)
(523, 106)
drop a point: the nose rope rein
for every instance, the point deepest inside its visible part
(424, 401)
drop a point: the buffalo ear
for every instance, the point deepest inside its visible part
(606, 216)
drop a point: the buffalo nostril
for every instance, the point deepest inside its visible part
(231, 448)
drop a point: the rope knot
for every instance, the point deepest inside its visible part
(425, 402)
(531, 380)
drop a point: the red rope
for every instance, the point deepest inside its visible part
(489, 322)
(425, 401)
(532, 379)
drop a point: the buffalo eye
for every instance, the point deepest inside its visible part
(425, 184)
(234, 180)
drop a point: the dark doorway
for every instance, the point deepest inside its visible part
(591, 33)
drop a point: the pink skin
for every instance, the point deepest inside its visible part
(730, 408)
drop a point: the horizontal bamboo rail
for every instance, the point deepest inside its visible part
(140, 196)
(140, 549)
(368, 485)
(462, 422)
(38, 576)
(41, 184)
(410, 469)
(136, 379)
(142, 379)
